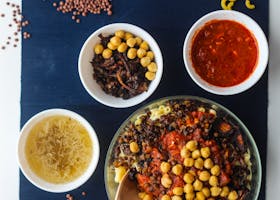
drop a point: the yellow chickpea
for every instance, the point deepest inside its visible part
(200, 196)
(191, 145)
(165, 197)
(208, 163)
(215, 191)
(131, 42)
(141, 53)
(197, 185)
(134, 148)
(213, 112)
(107, 53)
(225, 191)
(131, 53)
(138, 41)
(145, 61)
(190, 196)
(213, 181)
(196, 154)
(116, 41)
(166, 181)
(188, 162)
(204, 176)
(178, 191)
(184, 151)
(177, 169)
(98, 49)
(215, 170)
(152, 67)
(111, 46)
(165, 167)
(201, 109)
(232, 195)
(141, 195)
(122, 47)
(176, 197)
(205, 152)
(206, 192)
(144, 45)
(198, 163)
(151, 55)
(120, 33)
(188, 178)
(150, 75)
(127, 35)
(188, 188)
(148, 197)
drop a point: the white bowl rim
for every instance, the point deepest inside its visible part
(31, 176)
(261, 62)
(125, 103)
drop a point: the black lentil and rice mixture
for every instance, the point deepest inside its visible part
(185, 151)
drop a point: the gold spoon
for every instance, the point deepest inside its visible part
(127, 189)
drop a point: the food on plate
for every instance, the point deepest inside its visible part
(184, 149)
(123, 64)
(228, 4)
(58, 149)
(224, 53)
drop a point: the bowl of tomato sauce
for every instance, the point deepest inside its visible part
(225, 52)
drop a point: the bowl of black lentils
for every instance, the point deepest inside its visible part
(120, 65)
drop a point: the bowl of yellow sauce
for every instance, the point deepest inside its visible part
(58, 150)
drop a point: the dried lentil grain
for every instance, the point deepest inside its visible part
(83, 7)
(16, 24)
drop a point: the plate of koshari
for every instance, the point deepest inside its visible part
(184, 147)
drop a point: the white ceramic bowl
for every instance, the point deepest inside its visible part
(31, 176)
(86, 70)
(252, 26)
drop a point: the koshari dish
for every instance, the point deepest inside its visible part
(224, 53)
(184, 150)
(58, 149)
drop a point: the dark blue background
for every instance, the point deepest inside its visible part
(50, 74)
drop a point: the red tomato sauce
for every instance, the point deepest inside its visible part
(224, 53)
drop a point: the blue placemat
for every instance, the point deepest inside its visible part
(50, 74)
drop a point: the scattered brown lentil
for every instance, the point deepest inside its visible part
(83, 7)
(17, 23)
(84, 193)
(69, 197)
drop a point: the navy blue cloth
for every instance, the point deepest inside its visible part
(50, 73)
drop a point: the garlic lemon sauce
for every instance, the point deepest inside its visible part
(58, 149)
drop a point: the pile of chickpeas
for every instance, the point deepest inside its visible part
(134, 47)
(200, 184)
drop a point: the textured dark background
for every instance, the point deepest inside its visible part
(50, 74)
